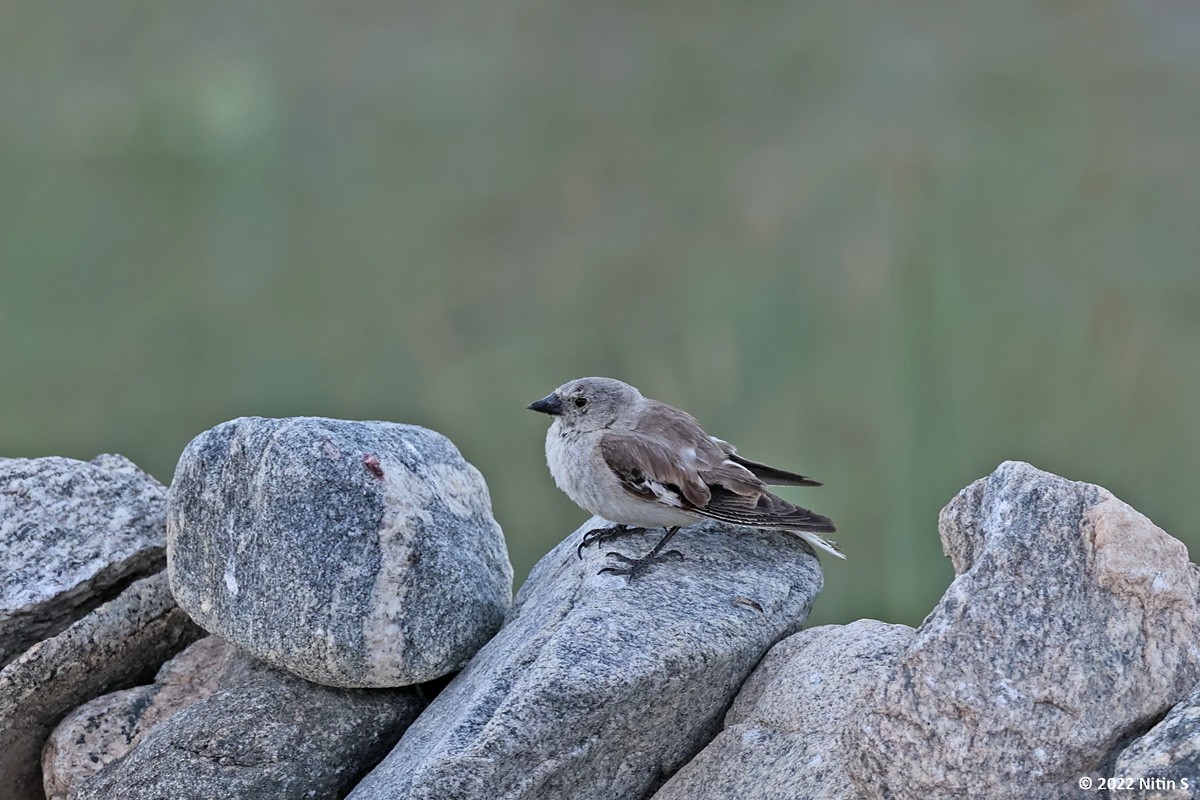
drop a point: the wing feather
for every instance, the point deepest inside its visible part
(694, 474)
(642, 463)
(767, 474)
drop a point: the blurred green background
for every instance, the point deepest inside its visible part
(888, 246)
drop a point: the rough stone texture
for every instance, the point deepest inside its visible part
(783, 735)
(119, 644)
(1071, 625)
(106, 729)
(354, 554)
(599, 686)
(269, 735)
(1165, 763)
(72, 534)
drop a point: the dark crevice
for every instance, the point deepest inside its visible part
(60, 612)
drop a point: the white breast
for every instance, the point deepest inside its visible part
(579, 470)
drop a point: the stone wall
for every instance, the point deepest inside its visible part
(345, 593)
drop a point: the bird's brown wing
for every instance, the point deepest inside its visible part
(773, 475)
(653, 468)
(661, 420)
(767, 474)
(691, 448)
(764, 511)
(693, 473)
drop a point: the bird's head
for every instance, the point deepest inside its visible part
(588, 404)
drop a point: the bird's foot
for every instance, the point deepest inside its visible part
(603, 535)
(636, 566)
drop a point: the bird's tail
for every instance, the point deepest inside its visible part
(817, 540)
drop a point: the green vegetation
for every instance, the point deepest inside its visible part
(886, 246)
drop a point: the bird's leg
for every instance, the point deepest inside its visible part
(674, 529)
(635, 566)
(603, 535)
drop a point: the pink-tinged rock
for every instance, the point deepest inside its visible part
(1071, 625)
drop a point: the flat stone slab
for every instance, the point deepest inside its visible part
(600, 686)
(353, 554)
(118, 645)
(72, 534)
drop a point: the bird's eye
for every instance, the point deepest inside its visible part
(580, 402)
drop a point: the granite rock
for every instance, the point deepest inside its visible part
(1164, 764)
(72, 535)
(105, 729)
(119, 644)
(353, 554)
(600, 686)
(1071, 625)
(268, 735)
(783, 736)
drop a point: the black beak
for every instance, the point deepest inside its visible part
(550, 404)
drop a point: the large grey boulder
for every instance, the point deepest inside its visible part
(265, 734)
(1071, 625)
(353, 554)
(119, 644)
(599, 686)
(72, 534)
(783, 736)
(105, 729)
(1164, 764)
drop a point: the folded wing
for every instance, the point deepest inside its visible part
(697, 475)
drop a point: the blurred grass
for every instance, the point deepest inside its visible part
(889, 246)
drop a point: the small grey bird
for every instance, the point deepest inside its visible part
(644, 464)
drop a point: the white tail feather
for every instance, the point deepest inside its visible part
(819, 541)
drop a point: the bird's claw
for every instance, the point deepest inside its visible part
(603, 535)
(636, 566)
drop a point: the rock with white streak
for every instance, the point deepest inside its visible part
(105, 729)
(72, 535)
(784, 735)
(120, 644)
(352, 554)
(1071, 626)
(601, 686)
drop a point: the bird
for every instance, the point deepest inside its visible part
(643, 464)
